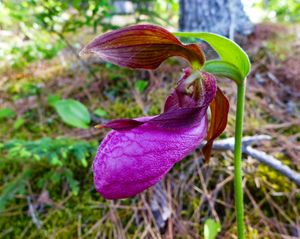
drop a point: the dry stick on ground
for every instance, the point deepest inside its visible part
(228, 144)
(32, 214)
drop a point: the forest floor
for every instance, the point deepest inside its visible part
(46, 182)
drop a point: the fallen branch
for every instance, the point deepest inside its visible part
(228, 144)
(31, 212)
(159, 207)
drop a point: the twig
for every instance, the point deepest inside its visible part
(31, 212)
(282, 86)
(79, 227)
(170, 221)
(160, 209)
(228, 144)
(273, 163)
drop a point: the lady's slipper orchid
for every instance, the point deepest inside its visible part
(137, 153)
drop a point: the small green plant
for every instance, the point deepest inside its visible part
(19, 123)
(73, 113)
(6, 113)
(100, 112)
(211, 229)
(60, 158)
(141, 85)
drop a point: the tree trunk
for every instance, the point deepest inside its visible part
(225, 17)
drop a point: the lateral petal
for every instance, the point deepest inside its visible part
(219, 113)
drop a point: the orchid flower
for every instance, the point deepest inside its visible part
(137, 153)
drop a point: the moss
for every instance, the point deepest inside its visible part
(276, 180)
(124, 110)
(252, 233)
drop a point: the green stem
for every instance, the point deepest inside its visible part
(238, 187)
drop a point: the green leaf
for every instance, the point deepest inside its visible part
(74, 113)
(228, 50)
(100, 112)
(84, 163)
(211, 229)
(53, 99)
(55, 176)
(6, 113)
(72, 182)
(54, 159)
(19, 123)
(141, 85)
(223, 69)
